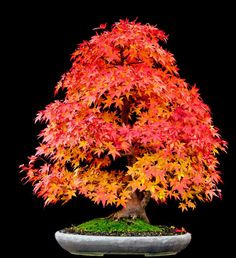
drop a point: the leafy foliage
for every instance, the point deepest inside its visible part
(126, 104)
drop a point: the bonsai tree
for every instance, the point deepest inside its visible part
(128, 128)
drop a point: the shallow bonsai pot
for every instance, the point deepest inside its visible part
(122, 245)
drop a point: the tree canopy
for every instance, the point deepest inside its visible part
(127, 122)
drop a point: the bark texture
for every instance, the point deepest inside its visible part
(135, 207)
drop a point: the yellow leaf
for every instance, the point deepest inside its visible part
(83, 144)
(183, 206)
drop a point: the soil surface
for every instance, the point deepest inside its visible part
(124, 227)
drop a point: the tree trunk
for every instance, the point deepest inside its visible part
(135, 207)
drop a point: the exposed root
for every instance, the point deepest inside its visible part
(131, 215)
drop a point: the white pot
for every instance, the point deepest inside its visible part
(129, 245)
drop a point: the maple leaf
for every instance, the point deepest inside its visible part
(45, 168)
(100, 196)
(112, 150)
(191, 204)
(101, 27)
(183, 206)
(122, 201)
(83, 144)
(198, 179)
(211, 193)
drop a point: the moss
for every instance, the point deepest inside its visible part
(128, 227)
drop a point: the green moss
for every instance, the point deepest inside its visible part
(105, 226)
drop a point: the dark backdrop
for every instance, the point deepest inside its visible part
(40, 40)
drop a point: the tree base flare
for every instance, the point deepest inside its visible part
(135, 207)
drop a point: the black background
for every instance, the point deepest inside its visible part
(40, 39)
